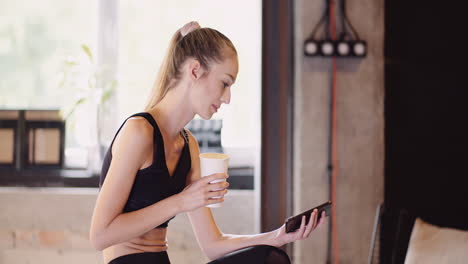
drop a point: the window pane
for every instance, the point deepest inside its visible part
(35, 37)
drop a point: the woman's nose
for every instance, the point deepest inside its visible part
(226, 98)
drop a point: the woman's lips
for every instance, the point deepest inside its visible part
(215, 107)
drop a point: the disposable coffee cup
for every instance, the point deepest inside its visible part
(211, 163)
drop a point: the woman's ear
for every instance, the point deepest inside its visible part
(195, 70)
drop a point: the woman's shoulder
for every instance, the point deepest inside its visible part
(139, 125)
(136, 131)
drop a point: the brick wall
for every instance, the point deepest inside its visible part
(50, 225)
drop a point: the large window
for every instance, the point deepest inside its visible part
(36, 39)
(39, 38)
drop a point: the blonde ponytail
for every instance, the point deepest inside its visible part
(161, 85)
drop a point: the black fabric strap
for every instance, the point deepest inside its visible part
(159, 161)
(118, 130)
(158, 144)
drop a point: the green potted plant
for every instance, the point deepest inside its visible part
(90, 86)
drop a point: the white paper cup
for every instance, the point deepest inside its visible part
(211, 163)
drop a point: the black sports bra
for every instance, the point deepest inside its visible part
(153, 184)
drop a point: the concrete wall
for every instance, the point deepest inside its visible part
(51, 225)
(360, 98)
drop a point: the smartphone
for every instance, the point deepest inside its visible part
(294, 222)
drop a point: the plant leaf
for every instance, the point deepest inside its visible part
(109, 91)
(87, 50)
(71, 63)
(67, 113)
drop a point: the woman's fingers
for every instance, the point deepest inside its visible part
(218, 186)
(316, 216)
(310, 225)
(322, 218)
(216, 176)
(305, 230)
(201, 192)
(215, 200)
(217, 193)
(302, 228)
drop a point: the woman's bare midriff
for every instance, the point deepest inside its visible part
(152, 241)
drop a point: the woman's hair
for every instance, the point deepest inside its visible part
(203, 44)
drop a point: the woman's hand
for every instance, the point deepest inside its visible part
(281, 237)
(201, 192)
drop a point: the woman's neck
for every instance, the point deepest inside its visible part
(173, 113)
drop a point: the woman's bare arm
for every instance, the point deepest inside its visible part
(210, 239)
(215, 243)
(109, 225)
(204, 226)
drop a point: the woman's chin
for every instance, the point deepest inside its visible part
(206, 116)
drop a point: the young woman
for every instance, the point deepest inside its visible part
(151, 171)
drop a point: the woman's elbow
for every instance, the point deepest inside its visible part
(209, 256)
(210, 252)
(97, 241)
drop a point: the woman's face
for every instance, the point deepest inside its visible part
(214, 87)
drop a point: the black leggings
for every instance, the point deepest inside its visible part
(261, 254)
(143, 258)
